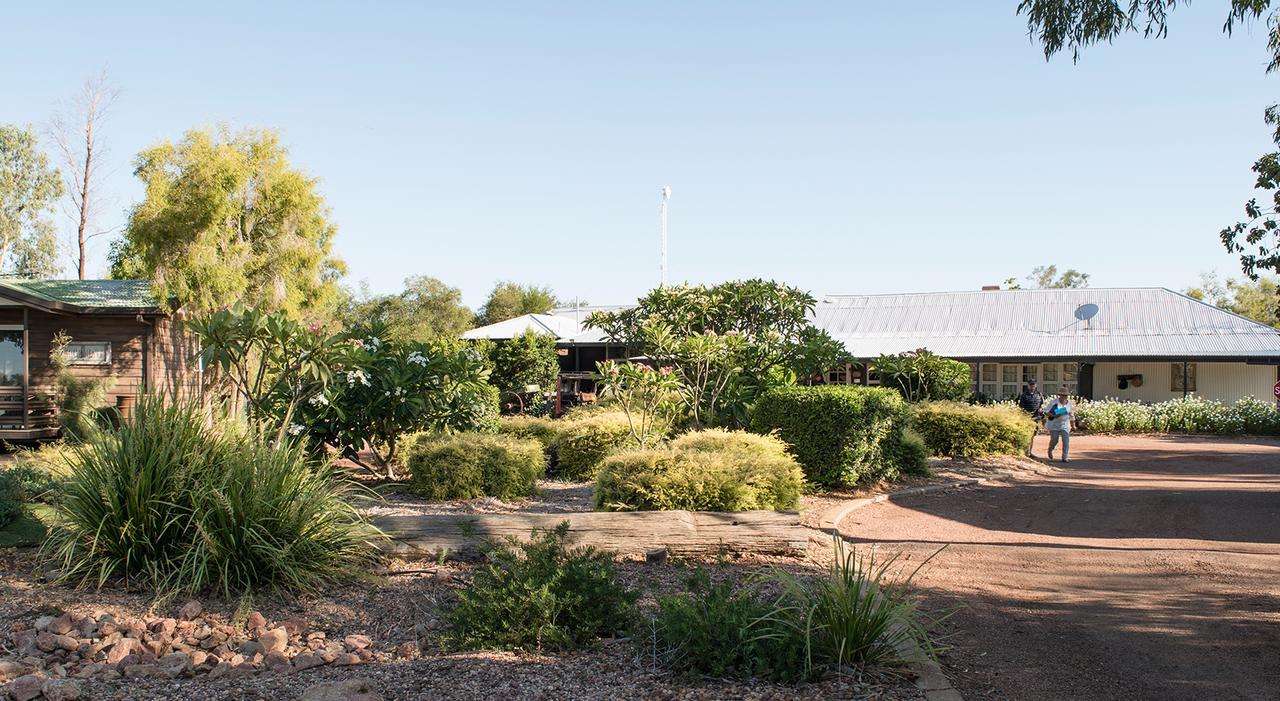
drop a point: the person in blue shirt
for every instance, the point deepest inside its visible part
(1060, 417)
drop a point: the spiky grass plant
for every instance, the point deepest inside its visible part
(180, 502)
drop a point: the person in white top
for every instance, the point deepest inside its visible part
(1060, 417)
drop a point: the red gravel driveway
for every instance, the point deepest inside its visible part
(1147, 568)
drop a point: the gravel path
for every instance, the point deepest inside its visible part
(1146, 568)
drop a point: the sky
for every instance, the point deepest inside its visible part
(842, 147)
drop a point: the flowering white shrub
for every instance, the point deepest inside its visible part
(1190, 415)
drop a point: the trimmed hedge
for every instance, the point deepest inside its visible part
(586, 440)
(840, 434)
(545, 431)
(470, 465)
(960, 430)
(711, 470)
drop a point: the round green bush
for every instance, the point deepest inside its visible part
(960, 430)
(12, 497)
(470, 465)
(587, 440)
(840, 434)
(545, 431)
(711, 470)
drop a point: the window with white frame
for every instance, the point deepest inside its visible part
(88, 353)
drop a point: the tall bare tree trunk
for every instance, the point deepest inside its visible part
(83, 114)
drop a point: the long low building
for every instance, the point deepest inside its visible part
(1139, 344)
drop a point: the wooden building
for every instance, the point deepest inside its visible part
(116, 331)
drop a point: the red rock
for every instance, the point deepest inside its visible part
(198, 657)
(163, 626)
(274, 640)
(25, 688)
(66, 642)
(46, 641)
(346, 658)
(60, 625)
(407, 650)
(307, 660)
(256, 621)
(120, 649)
(10, 670)
(357, 642)
(61, 690)
(190, 610)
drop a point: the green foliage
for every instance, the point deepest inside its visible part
(227, 220)
(711, 470)
(425, 311)
(540, 595)
(647, 397)
(42, 470)
(1190, 415)
(861, 613)
(509, 300)
(585, 441)
(524, 361)
(180, 503)
(908, 451)
(966, 430)
(840, 434)
(921, 376)
(728, 629)
(29, 187)
(470, 465)
(539, 428)
(726, 343)
(13, 497)
(80, 400)
(384, 389)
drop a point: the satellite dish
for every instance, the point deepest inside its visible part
(1085, 312)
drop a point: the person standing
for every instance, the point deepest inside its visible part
(1060, 418)
(1031, 401)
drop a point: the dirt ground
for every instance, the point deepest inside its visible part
(1144, 569)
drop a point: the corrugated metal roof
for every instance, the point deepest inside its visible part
(558, 326)
(1014, 324)
(91, 294)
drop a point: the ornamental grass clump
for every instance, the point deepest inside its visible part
(712, 470)
(960, 430)
(471, 465)
(178, 502)
(540, 595)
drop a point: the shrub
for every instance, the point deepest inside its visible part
(586, 440)
(182, 503)
(838, 433)
(711, 470)
(723, 629)
(42, 470)
(12, 498)
(965, 430)
(545, 431)
(540, 595)
(1189, 415)
(470, 465)
(922, 376)
(525, 360)
(909, 452)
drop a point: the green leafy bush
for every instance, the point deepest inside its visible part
(545, 431)
(909, 452)
(839, 434)
(711, 470)
(922, 376)
(12, 498)
(1189, 415)
(727, 629)
(42, 470)
(540, 595)
(966, 430)
(470, 465)
(521, 362)
(586, 440)
(181, 503)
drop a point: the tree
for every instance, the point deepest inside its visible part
(726, 343)
(29, 186)
(76, 132)
(522, 362)
(427, 309)
(226, 219)
(1255, 299)
(922, 376)
(509, 300)
(1075, 24)
(1046, 277)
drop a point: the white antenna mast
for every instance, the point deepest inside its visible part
(662, 267)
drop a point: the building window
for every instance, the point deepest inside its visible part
(1176, 377)
(1050, 373)
(1009, 373)
(1069, 372)
(88, 353)
(989, 372)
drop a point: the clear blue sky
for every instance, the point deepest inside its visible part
(841, 147)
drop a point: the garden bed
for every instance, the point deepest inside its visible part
(401, 615)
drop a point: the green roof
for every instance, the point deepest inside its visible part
(91, 294)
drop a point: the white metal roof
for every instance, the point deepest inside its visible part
(1023, 324)
(558, 326)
